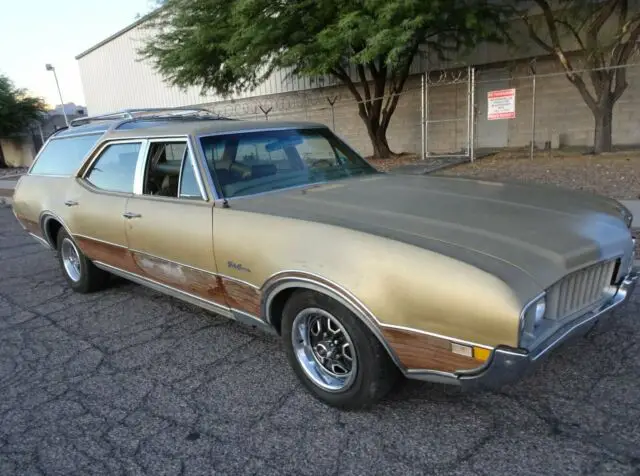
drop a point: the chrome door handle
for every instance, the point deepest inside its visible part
(71, 203)
(130, 215)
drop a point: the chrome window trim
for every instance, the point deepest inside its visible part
(143, 159)
(212, 181)
(97, 152)
(138, 181)
(93, 189)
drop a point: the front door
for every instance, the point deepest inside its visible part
(98, 200)
(168, 224)
(490, 134)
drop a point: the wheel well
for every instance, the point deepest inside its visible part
(277, 306)
(52, 228)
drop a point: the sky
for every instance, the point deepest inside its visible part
(37, 32)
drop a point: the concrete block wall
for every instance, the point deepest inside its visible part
(560, 112)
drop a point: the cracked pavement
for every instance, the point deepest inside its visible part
(128, 381)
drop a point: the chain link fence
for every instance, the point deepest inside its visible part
(466, 111)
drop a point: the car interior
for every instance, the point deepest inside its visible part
(163, 169)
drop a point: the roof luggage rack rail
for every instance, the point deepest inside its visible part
(128, 115)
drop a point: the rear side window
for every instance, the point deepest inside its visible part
(115, 169)
(64, 156)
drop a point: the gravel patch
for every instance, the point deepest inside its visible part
(615, 175)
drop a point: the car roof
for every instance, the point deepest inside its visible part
(153, 127)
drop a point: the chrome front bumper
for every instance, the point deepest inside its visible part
(508, 365)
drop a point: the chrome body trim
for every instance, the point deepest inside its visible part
(252, 321)
(434, 376)
(187, 297)
(280, 282)
(98, 240)
(41, 240)
(45, 216)
(434, 334)
(508, 365)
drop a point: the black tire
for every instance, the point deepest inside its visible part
(375, 373)
(90, 278)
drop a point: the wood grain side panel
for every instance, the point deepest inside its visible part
(208, 286)
(193, 281)
(420, 351)
(242, 296)
(30, 225)
(113, 255)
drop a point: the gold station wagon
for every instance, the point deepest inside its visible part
(365, 275)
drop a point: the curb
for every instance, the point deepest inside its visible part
(5, 202)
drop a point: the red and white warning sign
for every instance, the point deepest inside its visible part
(501, 104)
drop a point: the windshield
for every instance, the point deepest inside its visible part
(255, 162)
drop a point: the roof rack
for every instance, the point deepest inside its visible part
(149, 114)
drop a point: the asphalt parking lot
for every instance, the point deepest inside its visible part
(128, 381)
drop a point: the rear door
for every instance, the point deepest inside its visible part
(97, 201)
(168, 223)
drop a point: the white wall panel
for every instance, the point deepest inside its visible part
(114, 77)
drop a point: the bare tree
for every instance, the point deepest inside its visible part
(604, 35)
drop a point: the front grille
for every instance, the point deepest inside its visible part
(579, 290)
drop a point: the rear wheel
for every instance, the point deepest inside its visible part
(78, 270)
(333, 353)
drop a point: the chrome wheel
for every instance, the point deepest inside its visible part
(324, 349)
(70, 259)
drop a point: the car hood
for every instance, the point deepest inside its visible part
(543, 232)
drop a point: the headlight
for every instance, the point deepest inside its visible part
(625, 214)
(532, 320)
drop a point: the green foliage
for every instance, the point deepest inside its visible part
(17, 109)
(232, 45)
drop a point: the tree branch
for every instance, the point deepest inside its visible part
(533, 34)
(605, 12)
(365, 86)
(340, 73)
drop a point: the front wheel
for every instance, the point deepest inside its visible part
(333, 353)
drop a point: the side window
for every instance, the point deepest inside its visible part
(114, 170)
(64, 156)
(188, 183)
(169, 172)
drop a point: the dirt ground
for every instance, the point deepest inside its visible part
(385, 165)
(616, 175)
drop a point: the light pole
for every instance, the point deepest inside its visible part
(64, 113)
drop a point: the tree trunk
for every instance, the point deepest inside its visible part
(3, 163)
(378, 136)
(603, 117)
